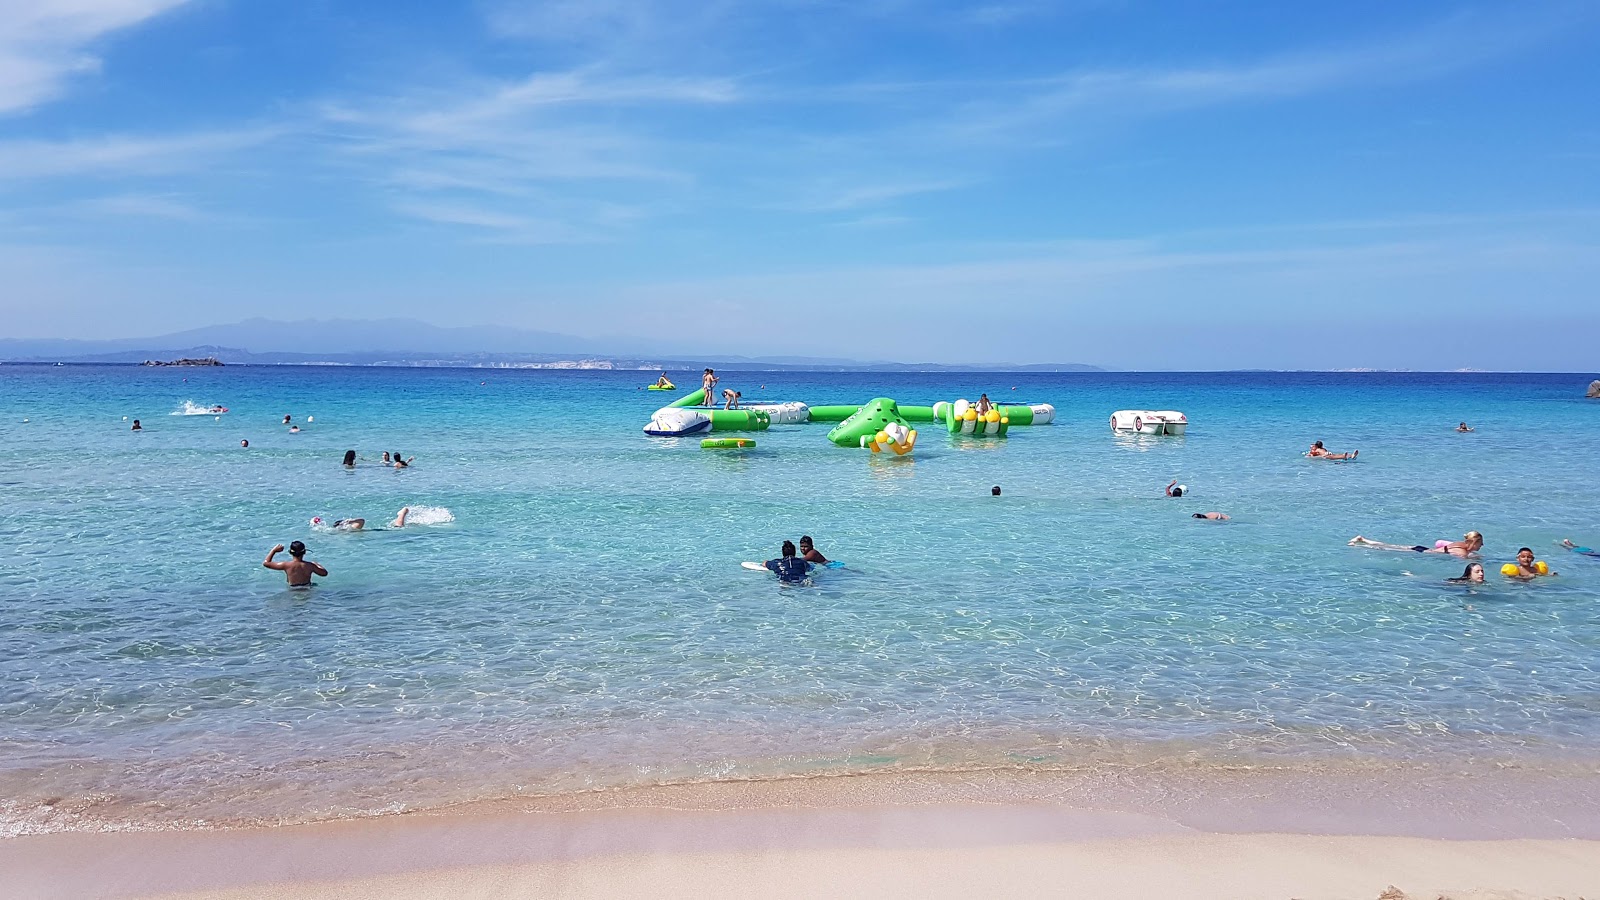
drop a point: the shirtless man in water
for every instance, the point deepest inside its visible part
(298, 570)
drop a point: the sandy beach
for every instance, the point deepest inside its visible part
(918, 837)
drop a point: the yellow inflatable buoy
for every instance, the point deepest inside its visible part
(1509, 569)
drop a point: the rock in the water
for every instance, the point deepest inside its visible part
(1594, 389)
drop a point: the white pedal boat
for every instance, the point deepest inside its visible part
(1146, 421)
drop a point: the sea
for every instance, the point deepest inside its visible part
(567, 614)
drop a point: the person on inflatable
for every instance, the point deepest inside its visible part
(983, 405)
(730, 398)
(790, 569)
(662, 382)
(1318, 451)
(708, 384)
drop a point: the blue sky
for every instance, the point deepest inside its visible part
(1133, 184)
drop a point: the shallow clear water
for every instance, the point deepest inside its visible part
(583, 621)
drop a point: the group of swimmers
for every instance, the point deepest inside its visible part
(793, 567)
(397, 459)
(1526, 567)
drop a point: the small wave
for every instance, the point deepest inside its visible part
(429, 515)
(191, 408)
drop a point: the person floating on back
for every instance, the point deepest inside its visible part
(1581, 551)
(1318, 451)
(789, 568)
(299, 569)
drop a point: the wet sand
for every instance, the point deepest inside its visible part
(906, 837)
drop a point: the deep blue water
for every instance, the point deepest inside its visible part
(582, 620)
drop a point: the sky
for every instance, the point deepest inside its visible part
(1139, 185)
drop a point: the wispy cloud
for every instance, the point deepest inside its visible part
(43, 44)
(121, 155)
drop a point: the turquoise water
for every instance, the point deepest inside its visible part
(578, 619)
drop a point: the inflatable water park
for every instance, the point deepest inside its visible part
(881, 425)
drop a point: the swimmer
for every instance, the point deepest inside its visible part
(245, 444)
(1174, 489)
(294, 429)
(349, 459)
(286, 419)
(298, 570)
(730, 398)
(402, 463)
(1526, 568)
(1470, 544)
(1463, 428)
(708, 385)
(136, 426)
(994, 491)
(1318, 451)
(1214, 516)
(359, 524)
(219, 409)
(386, 460)
(789, 568)
(808, 551)
(1472, 575)
(1581, 551)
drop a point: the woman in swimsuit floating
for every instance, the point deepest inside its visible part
(1470, 544)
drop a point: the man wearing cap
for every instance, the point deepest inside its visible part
(298, 570)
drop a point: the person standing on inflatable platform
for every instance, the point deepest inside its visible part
(790, 569)
(708, 384)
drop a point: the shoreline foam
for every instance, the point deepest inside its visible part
(892, 837)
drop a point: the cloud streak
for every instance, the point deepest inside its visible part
(44, 44)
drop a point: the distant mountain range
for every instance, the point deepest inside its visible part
(407, 342)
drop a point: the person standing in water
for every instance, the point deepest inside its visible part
(808, 551)
(136, 426)
(297, 570)
(1463, 428)
(349, 459)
